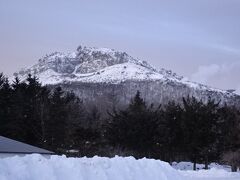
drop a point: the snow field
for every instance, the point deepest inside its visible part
(212, 174)
(189, 166)
(36, 167)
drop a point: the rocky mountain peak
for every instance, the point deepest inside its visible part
(86, 61)
(89, 69)
(98, 65)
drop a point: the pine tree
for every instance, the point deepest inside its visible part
(209, 133)
(76, 117)
(18, 116)
(135, 128)
(199, 127)
(229, 136)
(31, 113)
(56, 126)
(171, 126)
(26, 100)
(5, 106)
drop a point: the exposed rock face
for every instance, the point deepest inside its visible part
(108, 78)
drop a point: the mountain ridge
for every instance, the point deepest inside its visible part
(107, 78)
(101, 65)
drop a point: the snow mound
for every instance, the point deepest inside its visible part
(36, 167)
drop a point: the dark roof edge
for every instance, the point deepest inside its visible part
(36, 149)
(1, 152)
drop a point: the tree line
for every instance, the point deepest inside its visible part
(191, 130)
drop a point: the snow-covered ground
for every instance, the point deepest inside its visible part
(36, 167)
(212, 174)
(217, 171)
(189, 166)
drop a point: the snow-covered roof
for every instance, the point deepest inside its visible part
(11, 146)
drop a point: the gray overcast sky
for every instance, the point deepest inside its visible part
(199, 39)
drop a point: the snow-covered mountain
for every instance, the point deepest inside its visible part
(98, 65)
(108, 69)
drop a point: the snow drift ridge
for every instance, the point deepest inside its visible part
(36, 167)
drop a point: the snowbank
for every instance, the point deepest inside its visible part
(36, 167)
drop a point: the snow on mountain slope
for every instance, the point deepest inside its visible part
(100, 65)
(92, 65)
(113, 74)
